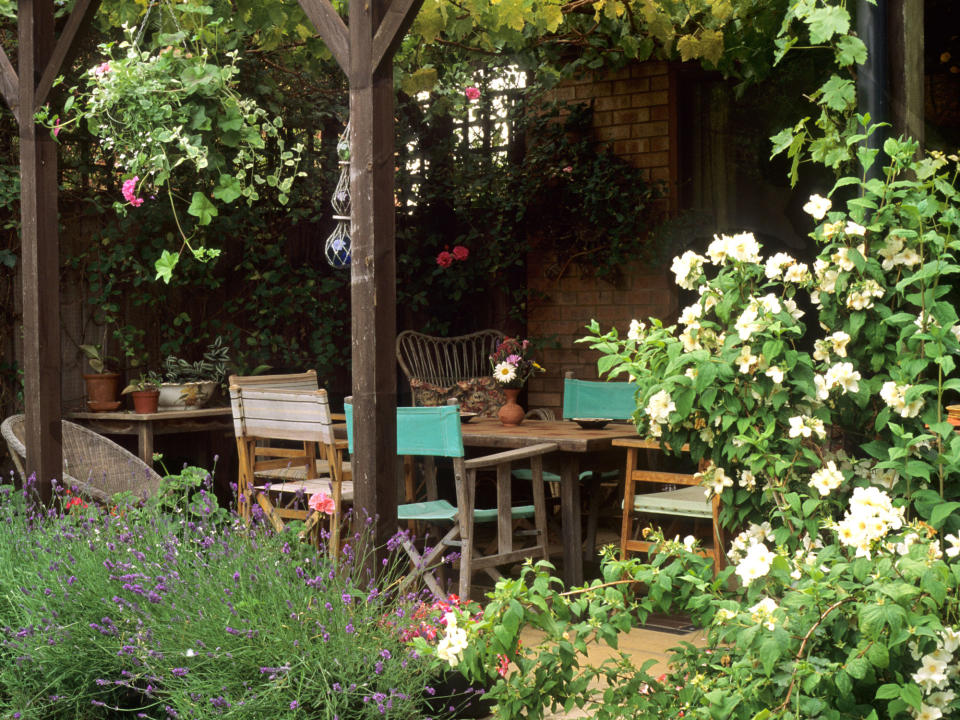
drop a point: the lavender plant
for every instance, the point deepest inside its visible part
(142, 611)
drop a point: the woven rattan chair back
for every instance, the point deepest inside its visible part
(444, 361)
(96, 466)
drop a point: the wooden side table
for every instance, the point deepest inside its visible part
(146, 425)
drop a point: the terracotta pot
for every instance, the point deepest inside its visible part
(145, 401)
(511, 413)
(102, 389)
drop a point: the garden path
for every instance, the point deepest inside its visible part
(642, 644)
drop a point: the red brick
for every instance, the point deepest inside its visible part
(600, 89)
(653, 159)
(563, 93)
(660, 112)
(650, 129)
(613, 132)
(648, 68)
(649, 98)
(660, 82)
(661, 142)
(587, 77)
(621, 74)
(601, 119)
(660, 174)
(628, 87)
(625, 117)
(627, 147)
(617, 102)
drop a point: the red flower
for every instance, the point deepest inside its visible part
(444, 259)
(503, 666)
(460, 252)
(472, 93)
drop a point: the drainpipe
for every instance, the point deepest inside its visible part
(872, 77)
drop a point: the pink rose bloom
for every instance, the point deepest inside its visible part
(322, 503)
(101, 69)
(129, 191)
(568, 169)
(444, 259)
(460, 252)
(472, 93)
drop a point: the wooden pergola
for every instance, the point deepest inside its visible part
(364, 50)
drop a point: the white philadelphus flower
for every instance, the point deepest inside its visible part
(691, 314)
(908, 257)
(954, 548)
(755, 564)
(797, 273)
(747, 323)
(843, 375)
(687, 268)
(842, 259)
(660, 406)
(743, 247)
(746, 360)
(718, 250)
(853, 228)
(747, 480)
(826, 479)
(839, 342)
(775, 264)
(798, 427)
(817, 206)
(775, 373)
(636, 330)
(763, 611)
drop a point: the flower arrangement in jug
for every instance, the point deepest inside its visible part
(512, 364)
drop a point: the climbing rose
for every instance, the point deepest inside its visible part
(444, 259)
(472, 93)
(460, 252)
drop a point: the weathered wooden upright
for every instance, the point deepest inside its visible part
(365, 52)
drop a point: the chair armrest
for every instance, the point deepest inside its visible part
(509, 456)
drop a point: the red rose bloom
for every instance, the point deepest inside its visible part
(444, 259)
(460, 252)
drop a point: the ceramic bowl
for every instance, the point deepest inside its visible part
(592, 423)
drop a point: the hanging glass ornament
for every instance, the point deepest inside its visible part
(337, 248)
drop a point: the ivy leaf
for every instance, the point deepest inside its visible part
(711, 45)
(165, 265)
(202, 209)
(689, 47)
(826, 22)
(228, 190)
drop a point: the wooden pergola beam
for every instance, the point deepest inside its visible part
(66, 43)
(397, 20)
(332, 29)
(9, 85)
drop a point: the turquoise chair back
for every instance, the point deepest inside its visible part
(422, 430)
(597, 399)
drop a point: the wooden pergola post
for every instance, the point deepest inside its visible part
(25, 90)
(365, 53)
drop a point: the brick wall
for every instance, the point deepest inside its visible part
(633, 108)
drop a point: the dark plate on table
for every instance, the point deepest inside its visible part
(103, 406)
(592, 423)
(466, 417)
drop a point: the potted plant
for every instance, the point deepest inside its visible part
(102, 385)
(145, 392)
(192, 384)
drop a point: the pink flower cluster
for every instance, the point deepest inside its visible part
(322, 503)
(129, 191)
(472, 93)
(101, 69)
(445, 258)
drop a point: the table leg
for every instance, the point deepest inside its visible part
(145, 442)
(570, 519)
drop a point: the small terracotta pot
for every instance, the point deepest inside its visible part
(145, 401)
(511, 413)
(102, 388)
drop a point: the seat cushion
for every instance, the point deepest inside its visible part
(309, 487)
(432, 511)
(688, 501)
(482, 395)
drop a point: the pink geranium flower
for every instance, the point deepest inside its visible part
(129, 191)
(472, 93)
(322, 503)
(460, 252)
(444, 259)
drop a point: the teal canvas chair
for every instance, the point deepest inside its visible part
(435, 432)
(593, 399)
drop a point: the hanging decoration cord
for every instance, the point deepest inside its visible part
(337, 247)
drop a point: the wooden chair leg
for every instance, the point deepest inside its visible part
(629, 488)
(539, 505)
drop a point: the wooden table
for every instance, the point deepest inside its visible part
(573, 442)
(146, 425)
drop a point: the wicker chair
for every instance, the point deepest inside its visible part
(97, 467)
(446, 360)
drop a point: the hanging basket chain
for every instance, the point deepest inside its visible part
(337, 247)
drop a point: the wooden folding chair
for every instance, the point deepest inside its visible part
(261, 415)
(435, 432)
(644, 494)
